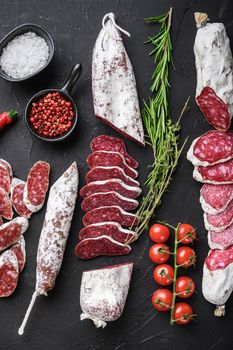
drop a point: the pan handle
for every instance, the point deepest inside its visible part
(73, 77)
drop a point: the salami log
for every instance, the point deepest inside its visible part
(54, 234)
(110, 185)
(215, 199)
(221, 240)
(36, 186)
(11, 231)
(107, 158)
(17, 191)
(218, 174)
(102, 173)
(221, 221)
(19, 249)
(104, 245)
(5, 180)
(9, 273)
(112, 213)
(103, 293)
(5, 205)
(112, 144)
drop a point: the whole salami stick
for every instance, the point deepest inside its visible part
(54, 234)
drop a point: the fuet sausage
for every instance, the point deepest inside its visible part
(54, 234)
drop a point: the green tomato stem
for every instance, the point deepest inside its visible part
(172, 321)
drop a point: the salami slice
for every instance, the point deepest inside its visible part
(220, 221)
(110, 228)
(17, 191)
(211, 148)
(112, 213)
(101, 199)
(116, 185)
(7, 166)
(5, 205)
(217, 174)
(102, 173)
(9, 273)
(221, 240)
(11, 232)
(112, 144)
(215, 199)
(36, 186)
(5, 180)
(90, 248)
(20, 252)
(1, 221)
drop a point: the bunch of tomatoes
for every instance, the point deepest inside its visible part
(165, 274)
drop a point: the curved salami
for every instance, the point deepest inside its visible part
(5, 180)
(7, 166)
(215, 199)
(116, 185)
(9, 273)
(218, 174)
(19, 249)
(221, 240)
(36, 186)
(112, 213)
(90, 248)
(11, 231)
(107, 158)
(17, 191)
(112, 144)
(5, 205)
(219, 222)
(102, 173)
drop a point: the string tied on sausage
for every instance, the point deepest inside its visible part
(200, 18)
(111, 16)
(97, 321)
(28, 312)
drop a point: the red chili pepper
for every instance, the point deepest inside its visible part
(7, 118)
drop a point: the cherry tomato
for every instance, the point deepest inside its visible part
(164, 274)
(183, 313)
(162, 299)
(185, 256)
(159, 253)
(159, 233)
(185, 287)
(186, 234)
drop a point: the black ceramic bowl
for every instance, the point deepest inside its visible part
(24, 28)
(65, 91)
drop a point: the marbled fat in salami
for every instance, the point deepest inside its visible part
(215, 198)
(221, 240)
(19, 249)
(5, 205)
(9, 273)
(17, 192)
(217, 174)
(5, 180)
(221, 221)
(219, 259)
(11, 231)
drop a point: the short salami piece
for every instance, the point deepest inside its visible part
(102, 173)
(11, 232)
(110, 228)
(107, 158)
(104, 245)
(217, 174)
(112, 144)
(214, 109)
(5, 205)
(9, 273)
(5, 180)
(7, 166)
(215, 198)
(101, 199)
(36, 186)
(20, 252)
(112, 213)
(211, 148)
(17, 191)
(221, 240)
(219, 222)
(110, 185)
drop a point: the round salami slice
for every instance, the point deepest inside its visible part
(9, 273)
(218, 174)
(220, 221)
(112, 144)
(102, 173)
(19, 249)
(17, 191)
(219, 259)
(214, 199)
(211, 148)
(5, 205)
(7, 166)
(107, 158)
(221, 240)
(36, 186)
(5, 180)
(104, 245)
(214, 109)
(11, 232)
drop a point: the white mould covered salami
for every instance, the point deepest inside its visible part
(103, 293)
(113, 83)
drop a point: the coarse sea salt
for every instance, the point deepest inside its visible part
(24, 55)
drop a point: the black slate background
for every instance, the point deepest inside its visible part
(54, 322)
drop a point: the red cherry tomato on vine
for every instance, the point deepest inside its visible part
(186, 234)
(183, 313)
(185, 256)
(164, 274)
(162, 299)
(159, 253)
(159, 233)
(185, 287)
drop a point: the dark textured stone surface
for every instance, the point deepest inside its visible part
(54, 323)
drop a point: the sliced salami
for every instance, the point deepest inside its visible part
(5, 180)
(104, 245)
(107, 158)
(7, 166)
(214, 199)
(218, 174)
(5, 205)
(101, 199)
(112, 213)
(9, 273)
(211, 148)
(110, 185)
(220, 221)
(219, 259)
(20, 252)
(1, 221)
(221, 240)
(110, 228)
(102, 173)
(17, 192)
(112, 144)
(11, 232)
(36, 186)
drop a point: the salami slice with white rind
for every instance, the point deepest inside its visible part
(221, 240)
(219, 222)
(11, 231)
(218, 174)
(9, 273)
(107, 158)
(17, 192)
(19, 249)
(102, 173)
(5, 180)
(112, 144)
(103, 293)
(211, 148)
(90, 248)
(214, 199)
(36, 186)
(5, 205)
(7, 166)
